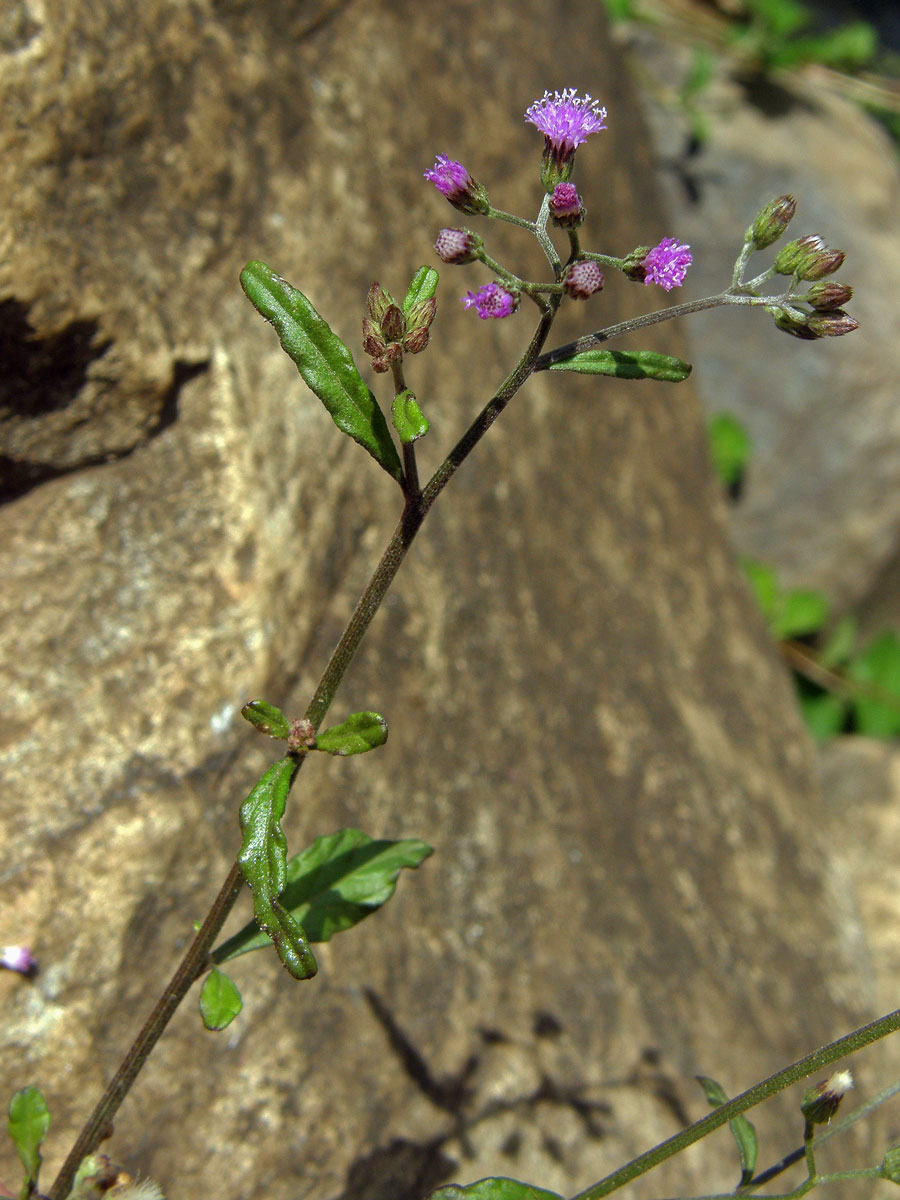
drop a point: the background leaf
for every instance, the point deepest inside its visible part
(29, 1120)
(879, 667)
(801, 612)
(641, 364)
(324, 362)
(742, 1130)
(333, 884)
(730, 447)
(361, 732)
(220, 1000)
(263, 859)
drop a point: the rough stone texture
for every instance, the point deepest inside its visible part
(587, 719)
(820, 500)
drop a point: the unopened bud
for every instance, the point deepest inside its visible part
(583, 278)
(827, 296)
(633, 264)
(378, 301)
(792, 321)
(808, 258)
(373, 342)
(453, 181)
(566, 207)
(832, 324)
(457, 246)
(393, 323)
(821, 1102)
(771, 222)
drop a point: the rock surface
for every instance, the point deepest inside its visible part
(820, 500)
(587, 719)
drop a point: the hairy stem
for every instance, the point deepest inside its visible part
(197, 957)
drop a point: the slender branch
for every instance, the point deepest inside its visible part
(816, 1061)
(193, 964)
(196, 959)
(635, 323)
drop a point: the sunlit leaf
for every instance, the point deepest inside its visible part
(333, 884)
(423, 287)
(220, 1000)
(640, 364)
(742, 1130)
(266, 718)
(361, 732)
(29, 1120)
(324, 362)
(263, 860)
(493, 1189)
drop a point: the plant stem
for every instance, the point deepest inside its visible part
(816, 1061)
(196, 959)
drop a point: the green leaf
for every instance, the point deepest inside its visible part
(407, 417)
(841, 644)
(423, 287)
(764, 584)
(824, 714)
(29, 1120)
(742, 1130)
(878, 667)
(220, 1000)
(266, 718)
(361, 731)
(493, 1189)
(263, 859)
(333, 884)
(730, 447)
(640, 364)
(800, 612)
(324, 362)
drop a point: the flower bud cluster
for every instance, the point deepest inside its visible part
(389, 333)
(806, 259)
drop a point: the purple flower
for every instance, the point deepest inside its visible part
(566, 120)
(453, 181)
(19, 959)
(492, 300)
(667, 264)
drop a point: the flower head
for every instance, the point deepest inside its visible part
(583, 279)
(492, 300)
(453, 181)
(566, 120)
(566, 207)
(667, 264)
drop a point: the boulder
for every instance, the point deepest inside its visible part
(588, 721)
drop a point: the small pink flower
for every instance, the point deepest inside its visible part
(492, 300)
(566, 120)
(19, 959)
(667, 264)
